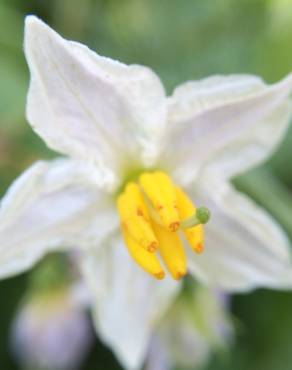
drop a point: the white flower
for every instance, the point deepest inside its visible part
(114, 121)
(51, 331)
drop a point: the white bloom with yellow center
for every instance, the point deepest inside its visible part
(135, 159)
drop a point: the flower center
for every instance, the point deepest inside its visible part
(152, 213)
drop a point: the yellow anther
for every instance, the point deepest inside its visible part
(135, 218)
(171, 251)
(150, 214)
(161, 192)
(194, 235)
(148, 261)
(134, 194)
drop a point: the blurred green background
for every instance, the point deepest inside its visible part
(180, 40)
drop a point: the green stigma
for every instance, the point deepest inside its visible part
(202, 216)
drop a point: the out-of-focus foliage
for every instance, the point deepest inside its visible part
(180, 40)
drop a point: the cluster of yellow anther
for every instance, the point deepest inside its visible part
(152, 211)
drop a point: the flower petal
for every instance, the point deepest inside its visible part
(128, 302)
(194, 326)
(51, 205)
(245, 248)
(88, 106)
(157, 356)
(225, 123)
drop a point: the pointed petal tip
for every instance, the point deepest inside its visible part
(32, 27)
(34, 30)
(31, 21)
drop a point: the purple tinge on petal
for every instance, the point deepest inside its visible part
(51, 336)
(157, 358)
